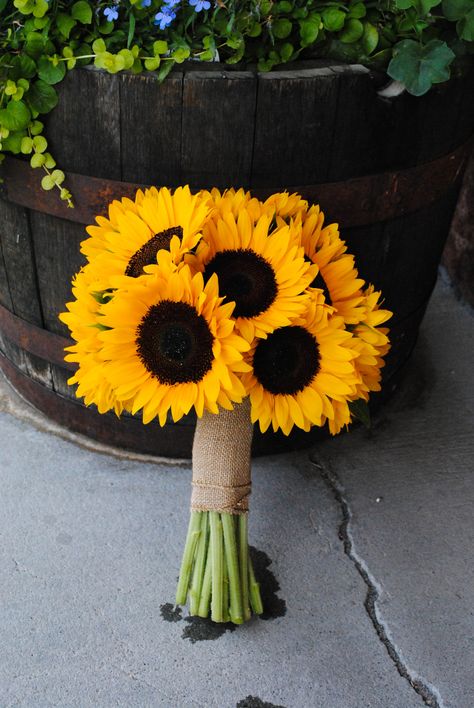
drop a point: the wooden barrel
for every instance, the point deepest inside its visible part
(387, 169)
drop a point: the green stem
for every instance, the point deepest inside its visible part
(199, 566)
(225, 595)
(217, 552)
(205, 599)
(244, 563)
(255, 599)
(188, 557)
(228, 525)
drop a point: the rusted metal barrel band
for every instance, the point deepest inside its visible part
(46, 345)
(354, 202)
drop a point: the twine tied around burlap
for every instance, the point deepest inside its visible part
(221, 461)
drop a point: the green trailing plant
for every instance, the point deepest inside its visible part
(415, 41)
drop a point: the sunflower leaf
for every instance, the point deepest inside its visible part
(360, 411)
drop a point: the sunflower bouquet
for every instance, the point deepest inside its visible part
(245, 311)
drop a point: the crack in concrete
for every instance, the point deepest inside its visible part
(429, 694)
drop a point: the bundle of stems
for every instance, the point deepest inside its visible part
(216, 570)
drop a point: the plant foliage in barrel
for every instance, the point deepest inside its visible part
(248, 312)
(416, 42)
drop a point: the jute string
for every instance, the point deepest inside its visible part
(221, 461)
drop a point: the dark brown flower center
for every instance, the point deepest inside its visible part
(146, 255)
(287, 361)
(174, 343)
(246, 278)
(319, 282)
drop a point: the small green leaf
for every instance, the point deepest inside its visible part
(127, 57)
(352, 32)
(333, 19)
(15, 116)
(40, 8)
(160, 47)
(309, 29)
(50, 73)
(283, 6)
(23, 66)
(37, 160)
(281, 28)
(422, 7)
(99, 46)
(47, 183)
(465, 27)
(370, 38)
(42, 97)
(36, 127)
(12, 143)
(49, 161)
(131, 30)
(65, 24)
(419, 67)
(456, 9)
(265, 65)
(40, 143)
(58, 176)
(152, 63)
(358, 10)
(234, 41)
(41, 22)
(82, 12)
(237, 55)
(10, 88)
(255, 30)
(26, 145)
(181, 54)
(66, 196)
(165, 69)
(286, 51)
(34, 45)
(461, 12)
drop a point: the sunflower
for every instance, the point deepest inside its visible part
(128, 243)
(285, 206)
(170, 345)
(264, 273)
(337, 276)
(95, 245)
(323, 246)
(372, 343)
(84, 321)
(303, 373)
(233, 201)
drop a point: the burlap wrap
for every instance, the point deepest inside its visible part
(221, 461)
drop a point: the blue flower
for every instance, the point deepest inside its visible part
(146, 3)
(111, 13)
(200, 4)
(164, 18)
